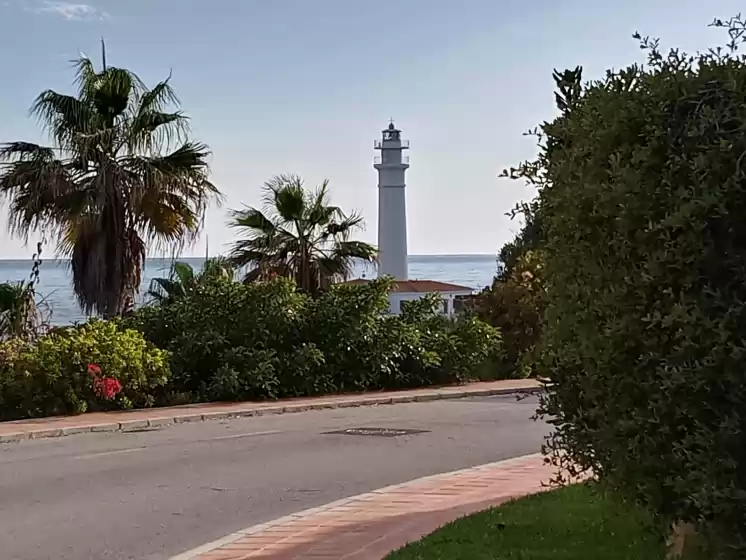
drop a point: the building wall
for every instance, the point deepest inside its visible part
(396, 298)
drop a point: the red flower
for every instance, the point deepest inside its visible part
(107, 387)
(94, 370)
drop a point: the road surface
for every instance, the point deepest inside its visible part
(154, 494)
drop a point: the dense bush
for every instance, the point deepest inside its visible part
(642, 196)
(266, 340)
(230, 340)
(57, 374)
(515, 304)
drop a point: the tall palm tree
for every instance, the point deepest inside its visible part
(121, 173)
(300, 235)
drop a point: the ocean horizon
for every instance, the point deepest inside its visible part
(55, 291)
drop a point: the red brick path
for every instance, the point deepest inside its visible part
(369, 526)
(138, 419)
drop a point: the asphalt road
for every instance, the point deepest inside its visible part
(154, 494)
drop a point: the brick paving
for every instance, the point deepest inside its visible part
(369, 526)
(155, 417)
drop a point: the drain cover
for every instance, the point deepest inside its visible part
(381, 432)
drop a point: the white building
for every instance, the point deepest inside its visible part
(392, 228)
(409, 290)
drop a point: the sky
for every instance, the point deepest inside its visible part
(306, 86)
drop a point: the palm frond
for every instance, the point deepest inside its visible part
(24, 151)
(252, 220)
(35, 190)
(64, 117)
(157, 99)
(151, 131)
(357, 250)
(171, 193)
(162, 290)
(183, 273)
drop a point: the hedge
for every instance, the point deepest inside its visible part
(642, 198)
(232, 341)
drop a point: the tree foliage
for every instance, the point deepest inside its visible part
(642, 182)
(299, 235)
(183, 279)
(515, 304)
(121, 172)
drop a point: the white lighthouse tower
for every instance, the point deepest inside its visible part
(392, 204)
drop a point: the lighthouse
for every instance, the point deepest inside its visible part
(392, 166)
(392, 203)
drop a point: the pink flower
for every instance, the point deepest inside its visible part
(94, 370)
(107, 387)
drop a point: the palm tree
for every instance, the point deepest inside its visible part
(183, 280)
(300, 235)
(121, 173)
(18, 313)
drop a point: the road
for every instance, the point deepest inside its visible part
(153, 494)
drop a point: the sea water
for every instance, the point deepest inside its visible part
(55, 290)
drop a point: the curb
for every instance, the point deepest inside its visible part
(257, 409)
(195, 553)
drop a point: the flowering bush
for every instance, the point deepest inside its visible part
(96, 366)
(104, 387)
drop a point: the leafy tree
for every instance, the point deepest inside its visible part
(642, 198)
(515, 304)
(120, 173)
(515, 301)
(300, 235)
(528, 239)
(183, 280)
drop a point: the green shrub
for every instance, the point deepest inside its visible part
(459, 350)
(50, 376)
(515, 304)
(363, 348)
(233, 341)
(642, 197)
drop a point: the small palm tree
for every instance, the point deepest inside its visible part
(183, 280)
(18, 313)
(121, 173)
(300, 235)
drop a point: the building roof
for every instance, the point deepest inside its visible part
(418, 286)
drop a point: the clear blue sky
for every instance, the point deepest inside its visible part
(305, 86)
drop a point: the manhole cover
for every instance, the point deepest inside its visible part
(381, 432)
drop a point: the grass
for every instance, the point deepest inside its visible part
(573, 523)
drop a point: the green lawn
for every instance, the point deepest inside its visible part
(572, 523)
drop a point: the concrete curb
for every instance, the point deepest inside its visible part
(228, 539)
(261, 409)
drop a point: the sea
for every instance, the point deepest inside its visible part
(58, 304)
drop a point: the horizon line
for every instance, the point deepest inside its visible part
(202, 257)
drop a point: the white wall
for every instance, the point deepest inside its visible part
(392, 232)
(395, 299)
